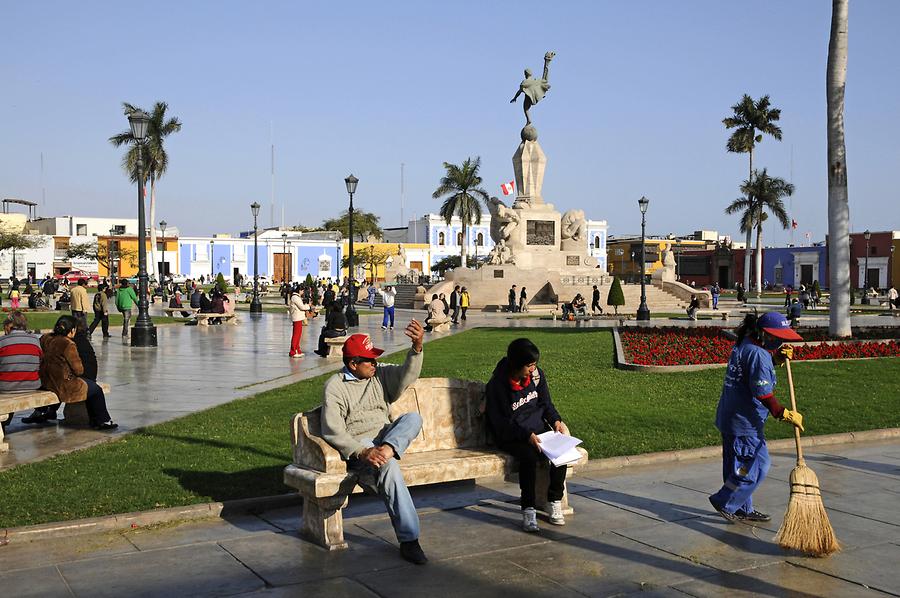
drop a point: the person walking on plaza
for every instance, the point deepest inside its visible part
(788, 291)
(595, 301)
(335, 327)
(892, 298)
(693, 307)
(519, 408)
(62, 372)
(101, 312)
(297, 310)
(125, 300)
(454, 304)
(20, 362)
(523, 300)
(80, 303)
(747, 399)
(511, 300)
(13, 297)
(388, 294)
(715, 291)
(371, 292)
(356, 421)
(464, 302)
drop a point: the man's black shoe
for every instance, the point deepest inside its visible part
(753, 515)
(412, 552)
(729, 517)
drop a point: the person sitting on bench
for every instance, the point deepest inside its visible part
(335, 326)
(693, 307)
(20, 360)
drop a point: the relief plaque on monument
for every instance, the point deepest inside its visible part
(572, 260)
(540, 232)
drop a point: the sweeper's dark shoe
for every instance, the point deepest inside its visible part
(412, 552)
(729, 517)
(753, 515)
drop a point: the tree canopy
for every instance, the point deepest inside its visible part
(99, 252)
(11, 240)
(365, 225)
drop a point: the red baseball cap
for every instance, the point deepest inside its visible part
(360, 345)
(778, 326)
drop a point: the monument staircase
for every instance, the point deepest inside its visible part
(406, 294)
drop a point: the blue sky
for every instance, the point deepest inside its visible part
(638, 93)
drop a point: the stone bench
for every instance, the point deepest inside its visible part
(454, 444)
(333, 343)
(441, 326)
(171, 311)
(74, 414)
(716, 313)
(203, 319)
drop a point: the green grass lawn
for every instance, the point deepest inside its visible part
(238, 450)
(44, 320)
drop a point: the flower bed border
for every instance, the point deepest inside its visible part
(622, 364)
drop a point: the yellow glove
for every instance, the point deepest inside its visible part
(784, 353)
(793, 417)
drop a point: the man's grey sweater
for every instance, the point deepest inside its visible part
(356, 410)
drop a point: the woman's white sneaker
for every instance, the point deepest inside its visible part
(529, 520)
(556, 513)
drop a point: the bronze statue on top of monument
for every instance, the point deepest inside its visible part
(534, 90)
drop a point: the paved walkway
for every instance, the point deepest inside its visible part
(644, 529)
(196, 367)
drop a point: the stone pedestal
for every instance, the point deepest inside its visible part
(529, 163)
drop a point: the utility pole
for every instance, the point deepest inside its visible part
(402, 193)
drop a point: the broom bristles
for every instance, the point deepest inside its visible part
(806, 527)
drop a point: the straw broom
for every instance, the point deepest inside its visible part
(805, 527)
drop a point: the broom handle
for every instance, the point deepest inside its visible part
(787, 364)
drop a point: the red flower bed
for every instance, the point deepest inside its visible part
(692, 346)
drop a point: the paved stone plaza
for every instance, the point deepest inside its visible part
(645, 529)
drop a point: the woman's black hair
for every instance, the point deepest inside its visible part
(64, 325)
(747, 328)
(522, 352)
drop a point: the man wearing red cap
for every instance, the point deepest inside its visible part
(747, 399)
(356, 421)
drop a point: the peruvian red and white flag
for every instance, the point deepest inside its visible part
(508, 188)
(793, 223)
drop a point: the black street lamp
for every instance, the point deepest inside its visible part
(643, 312)
(143, 333)
(352, 316)
(162, 274)
(290, 269)
(212, 261)
(255, 303)
(865, 299)
(283, 258)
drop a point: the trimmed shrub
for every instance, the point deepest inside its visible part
(616, 297)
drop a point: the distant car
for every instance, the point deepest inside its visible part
(73, 276)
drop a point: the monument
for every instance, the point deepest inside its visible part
(534, 245)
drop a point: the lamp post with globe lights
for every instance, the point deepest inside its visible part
(643, 312)
(255, 303)
(143, 333)
(352, 317)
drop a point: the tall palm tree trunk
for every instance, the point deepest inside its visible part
(749, 238)
(758, 266)
(151, 269)
(464, 248)
(838, 201)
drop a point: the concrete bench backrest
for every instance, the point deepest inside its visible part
(452, 413)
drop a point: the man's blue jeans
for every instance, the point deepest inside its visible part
(388, 313)
(387, 481)
(745, 463)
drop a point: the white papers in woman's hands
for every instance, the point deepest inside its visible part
(559, 448)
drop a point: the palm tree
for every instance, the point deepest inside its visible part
(461, 183)
(156, 160)
(751, 120)
(766, 193)
(838, 201)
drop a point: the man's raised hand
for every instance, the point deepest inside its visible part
(416, 333)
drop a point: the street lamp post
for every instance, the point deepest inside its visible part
(865, 284)
(255, 303)
(352, 317)
(283, 258)
(111, 256)
(290, 269)
(143, 333)
(212, 262)
(162, 275)
(643, 312)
